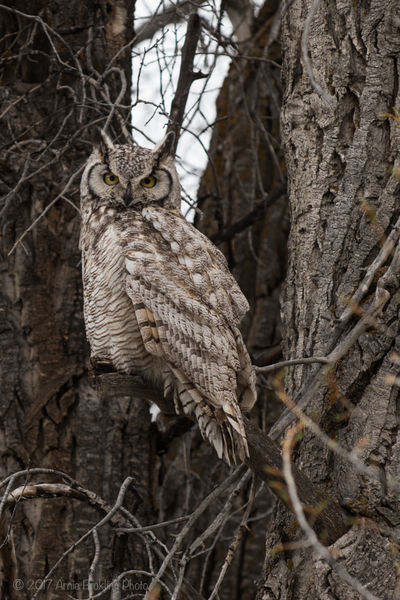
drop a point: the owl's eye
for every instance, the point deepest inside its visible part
(110, 179)
(148, 182)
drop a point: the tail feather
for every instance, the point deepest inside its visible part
(223, 427)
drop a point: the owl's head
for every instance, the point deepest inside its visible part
(121, 176)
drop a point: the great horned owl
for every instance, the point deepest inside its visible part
(159, 299)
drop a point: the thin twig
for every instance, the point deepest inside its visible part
(381, 298)
(311, 537)
(60, 195)
(185, 530)
(94, 563)
(289, 363)
(123, 489)
(151, 527)
(233, 546)
(370, 471)
(373, 268)
(221, 517)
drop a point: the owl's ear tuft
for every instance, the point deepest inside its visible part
(103, 143)
(166, 147)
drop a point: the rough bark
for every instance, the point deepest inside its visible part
(341, 160)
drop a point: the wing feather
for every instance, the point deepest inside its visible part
(186, 326)
(188, 306)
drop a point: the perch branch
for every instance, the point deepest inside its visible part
(265, 461)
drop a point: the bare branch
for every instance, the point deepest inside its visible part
(185, 530)
(93, 566)
(381, 298)
(311, 538)
(172, 14)
(373, 268)
(42, 490)
(46, 210)
(103, 521)
(186, 77)
(371, 471)
(250, 218)
(290, 363)
(265, 461)
(234, 544)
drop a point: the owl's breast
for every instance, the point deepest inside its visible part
(112, 329)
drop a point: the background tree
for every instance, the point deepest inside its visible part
(340, 295)
(163, 508)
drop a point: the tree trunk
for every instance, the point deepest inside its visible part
(341, 158)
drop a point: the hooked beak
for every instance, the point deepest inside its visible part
(128, 195)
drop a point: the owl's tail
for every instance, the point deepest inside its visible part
(222, 426)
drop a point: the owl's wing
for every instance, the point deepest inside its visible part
(187, 305)
(178, 326)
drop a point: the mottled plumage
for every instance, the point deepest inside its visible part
(159, 299)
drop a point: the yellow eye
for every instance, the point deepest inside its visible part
(148, 182)
(110, 179)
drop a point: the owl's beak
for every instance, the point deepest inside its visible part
(128, 195)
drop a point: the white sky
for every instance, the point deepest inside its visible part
(157, 89)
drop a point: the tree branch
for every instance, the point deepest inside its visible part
(170, 16)
(265, 461)
(289, 363)
(250, 218)
(308, 390)
(186, 77)
(311, 538)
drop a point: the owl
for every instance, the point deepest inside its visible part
(159, 299)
